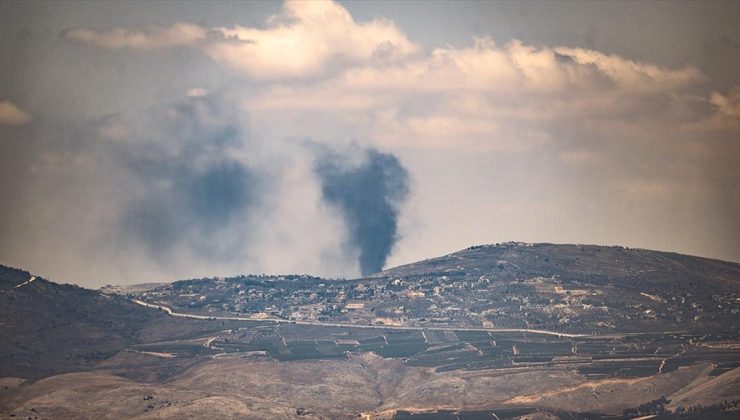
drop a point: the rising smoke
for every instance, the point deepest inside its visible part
(369, 195)
(191, 186)
(184, 190)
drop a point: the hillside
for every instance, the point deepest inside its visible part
(509, 329)
(561, 288)
(48, 328)
(625, 268)
(620, 288)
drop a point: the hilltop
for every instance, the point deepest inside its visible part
(630, 268)
(561, 288)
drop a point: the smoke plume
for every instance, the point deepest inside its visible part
(369, 195)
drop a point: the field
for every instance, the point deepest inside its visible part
(624, 356)
(283, 370)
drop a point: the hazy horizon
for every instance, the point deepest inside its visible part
(147, 142)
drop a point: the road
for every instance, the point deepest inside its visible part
(26, 282)
(335, 324)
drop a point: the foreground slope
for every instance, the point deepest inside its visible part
(254, 387)
(48, 328)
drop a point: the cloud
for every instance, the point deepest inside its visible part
(517, 68)
(177, 35)
(355, 66)
(307, 39)
(12, 115)
(368, 193)
(555, 133)
(501, 139)
(631, 75)
(492, 97)
(727, 105)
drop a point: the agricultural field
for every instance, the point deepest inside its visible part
(593, 357)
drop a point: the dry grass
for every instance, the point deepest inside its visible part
(258, 387)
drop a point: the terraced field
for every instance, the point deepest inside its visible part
(597, 357)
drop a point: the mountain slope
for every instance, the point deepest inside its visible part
(48, 328)
(622, 267)
(513, 327)
(587, 287)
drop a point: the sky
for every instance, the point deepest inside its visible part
(147, 142)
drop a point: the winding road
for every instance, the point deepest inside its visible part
(335, 324)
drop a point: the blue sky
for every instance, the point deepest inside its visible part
(164, 140)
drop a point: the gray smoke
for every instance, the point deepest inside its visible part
(368, 196)
(184, 190)
(191, 188)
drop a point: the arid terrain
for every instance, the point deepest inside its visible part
(501, 331)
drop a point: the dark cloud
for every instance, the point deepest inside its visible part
(368, 196)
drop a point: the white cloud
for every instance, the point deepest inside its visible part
(483, 97)
(12, 115)
(632, 75)
(179, 34)
(585, 135)
(518, 68)
(320, 39)
(727, 105)
(305, 40)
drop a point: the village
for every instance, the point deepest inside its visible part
(452, 299)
